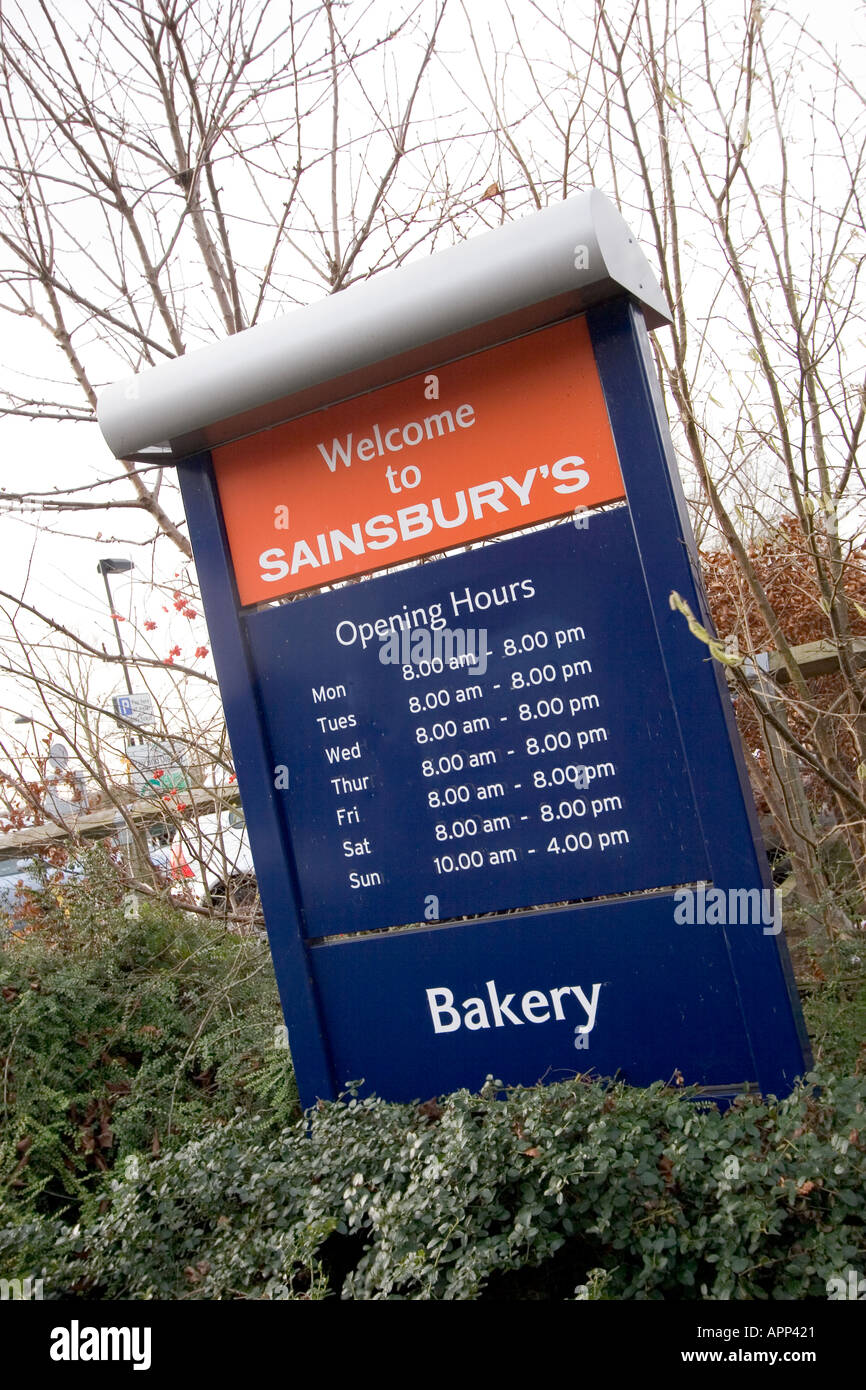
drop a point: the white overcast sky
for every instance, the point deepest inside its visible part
(59, 571)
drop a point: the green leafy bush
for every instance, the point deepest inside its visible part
(145, 1100)
(834, 1004)
(121, 1033)
(568, 1191)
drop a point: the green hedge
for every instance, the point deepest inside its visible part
(568, 1191)
(152, 1147)
(126, 1031)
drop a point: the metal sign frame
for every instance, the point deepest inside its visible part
(763, 994)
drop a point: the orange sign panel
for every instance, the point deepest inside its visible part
(503, 439)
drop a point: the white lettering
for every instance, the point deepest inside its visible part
(341, 450)
(273, 560)
(521, 490)
(591, 1006)
(486, 495)
(499, 1009)
(445, 1007)
(571, 469)
(532, 1001)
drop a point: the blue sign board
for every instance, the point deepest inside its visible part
(491, 795)
(489, 731)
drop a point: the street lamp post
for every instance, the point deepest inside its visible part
(137, 853)
(105, 568)
(29, 720)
